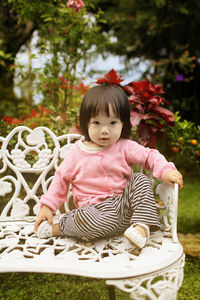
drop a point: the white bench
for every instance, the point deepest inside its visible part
(28, 159)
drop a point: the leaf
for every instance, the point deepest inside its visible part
(160, 3)
(135, 99)
(128, 89)
(149, 134)
(111, 78)
(135, 118)
(48, 19)
(166, 114)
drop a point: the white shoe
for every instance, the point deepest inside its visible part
(44, 230)
(135, 238)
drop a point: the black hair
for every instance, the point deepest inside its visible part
(98, 99)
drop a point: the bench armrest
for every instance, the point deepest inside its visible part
(169, 196)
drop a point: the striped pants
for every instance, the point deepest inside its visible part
(114, 215)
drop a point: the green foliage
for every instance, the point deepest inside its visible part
(4, 56)
(65, 37)
(184, 140)
(13, 34)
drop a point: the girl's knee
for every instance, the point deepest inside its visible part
(140, 177)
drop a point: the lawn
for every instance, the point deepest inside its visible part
(22, 286)
(189, 206)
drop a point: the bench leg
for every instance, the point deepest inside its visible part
(111, 292)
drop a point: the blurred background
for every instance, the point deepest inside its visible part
(53, 51)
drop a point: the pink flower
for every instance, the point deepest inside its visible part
(77, 4)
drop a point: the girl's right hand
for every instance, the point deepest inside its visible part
(44, 213)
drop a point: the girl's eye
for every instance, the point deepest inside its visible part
(95, 122)
(113, 123)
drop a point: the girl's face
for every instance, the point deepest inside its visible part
(105, 130)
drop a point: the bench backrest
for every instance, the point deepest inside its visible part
(28, 161)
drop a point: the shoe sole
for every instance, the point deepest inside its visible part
(134, 244)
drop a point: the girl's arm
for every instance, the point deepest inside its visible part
(153, 160)
(57, 191)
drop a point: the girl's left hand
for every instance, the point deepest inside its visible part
(174, 176)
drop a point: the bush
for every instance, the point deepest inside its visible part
(184, 141)
(42, 116)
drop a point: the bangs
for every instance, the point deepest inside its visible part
(103, 104)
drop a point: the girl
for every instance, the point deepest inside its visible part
(109, 198)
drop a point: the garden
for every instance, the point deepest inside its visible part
(64, 37)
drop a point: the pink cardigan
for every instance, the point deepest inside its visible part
(98, 175)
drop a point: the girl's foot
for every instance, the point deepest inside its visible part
(138, 235)
(45, 230)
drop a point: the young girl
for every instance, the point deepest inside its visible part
(110, 199)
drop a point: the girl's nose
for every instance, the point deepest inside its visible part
(104, 129)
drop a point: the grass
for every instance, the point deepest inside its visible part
(190, 289)
(33, 286)
(189, 206)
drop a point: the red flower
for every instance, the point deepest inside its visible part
(33, 113)
(82, 88)
(77, 4)
(111, 78)
(12, 120)
(7, 119)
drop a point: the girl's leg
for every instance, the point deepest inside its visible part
(138, 204)
(143, 202)
(91, 221)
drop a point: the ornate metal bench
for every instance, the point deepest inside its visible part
(28, 159)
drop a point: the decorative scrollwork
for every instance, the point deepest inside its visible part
(19, 209)
(5, 187)
(30, 157)
(163, 284)
(36, 137)
(18, 158)
(44, 158)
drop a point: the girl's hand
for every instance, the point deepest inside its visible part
(174, 176)
(44, 213)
